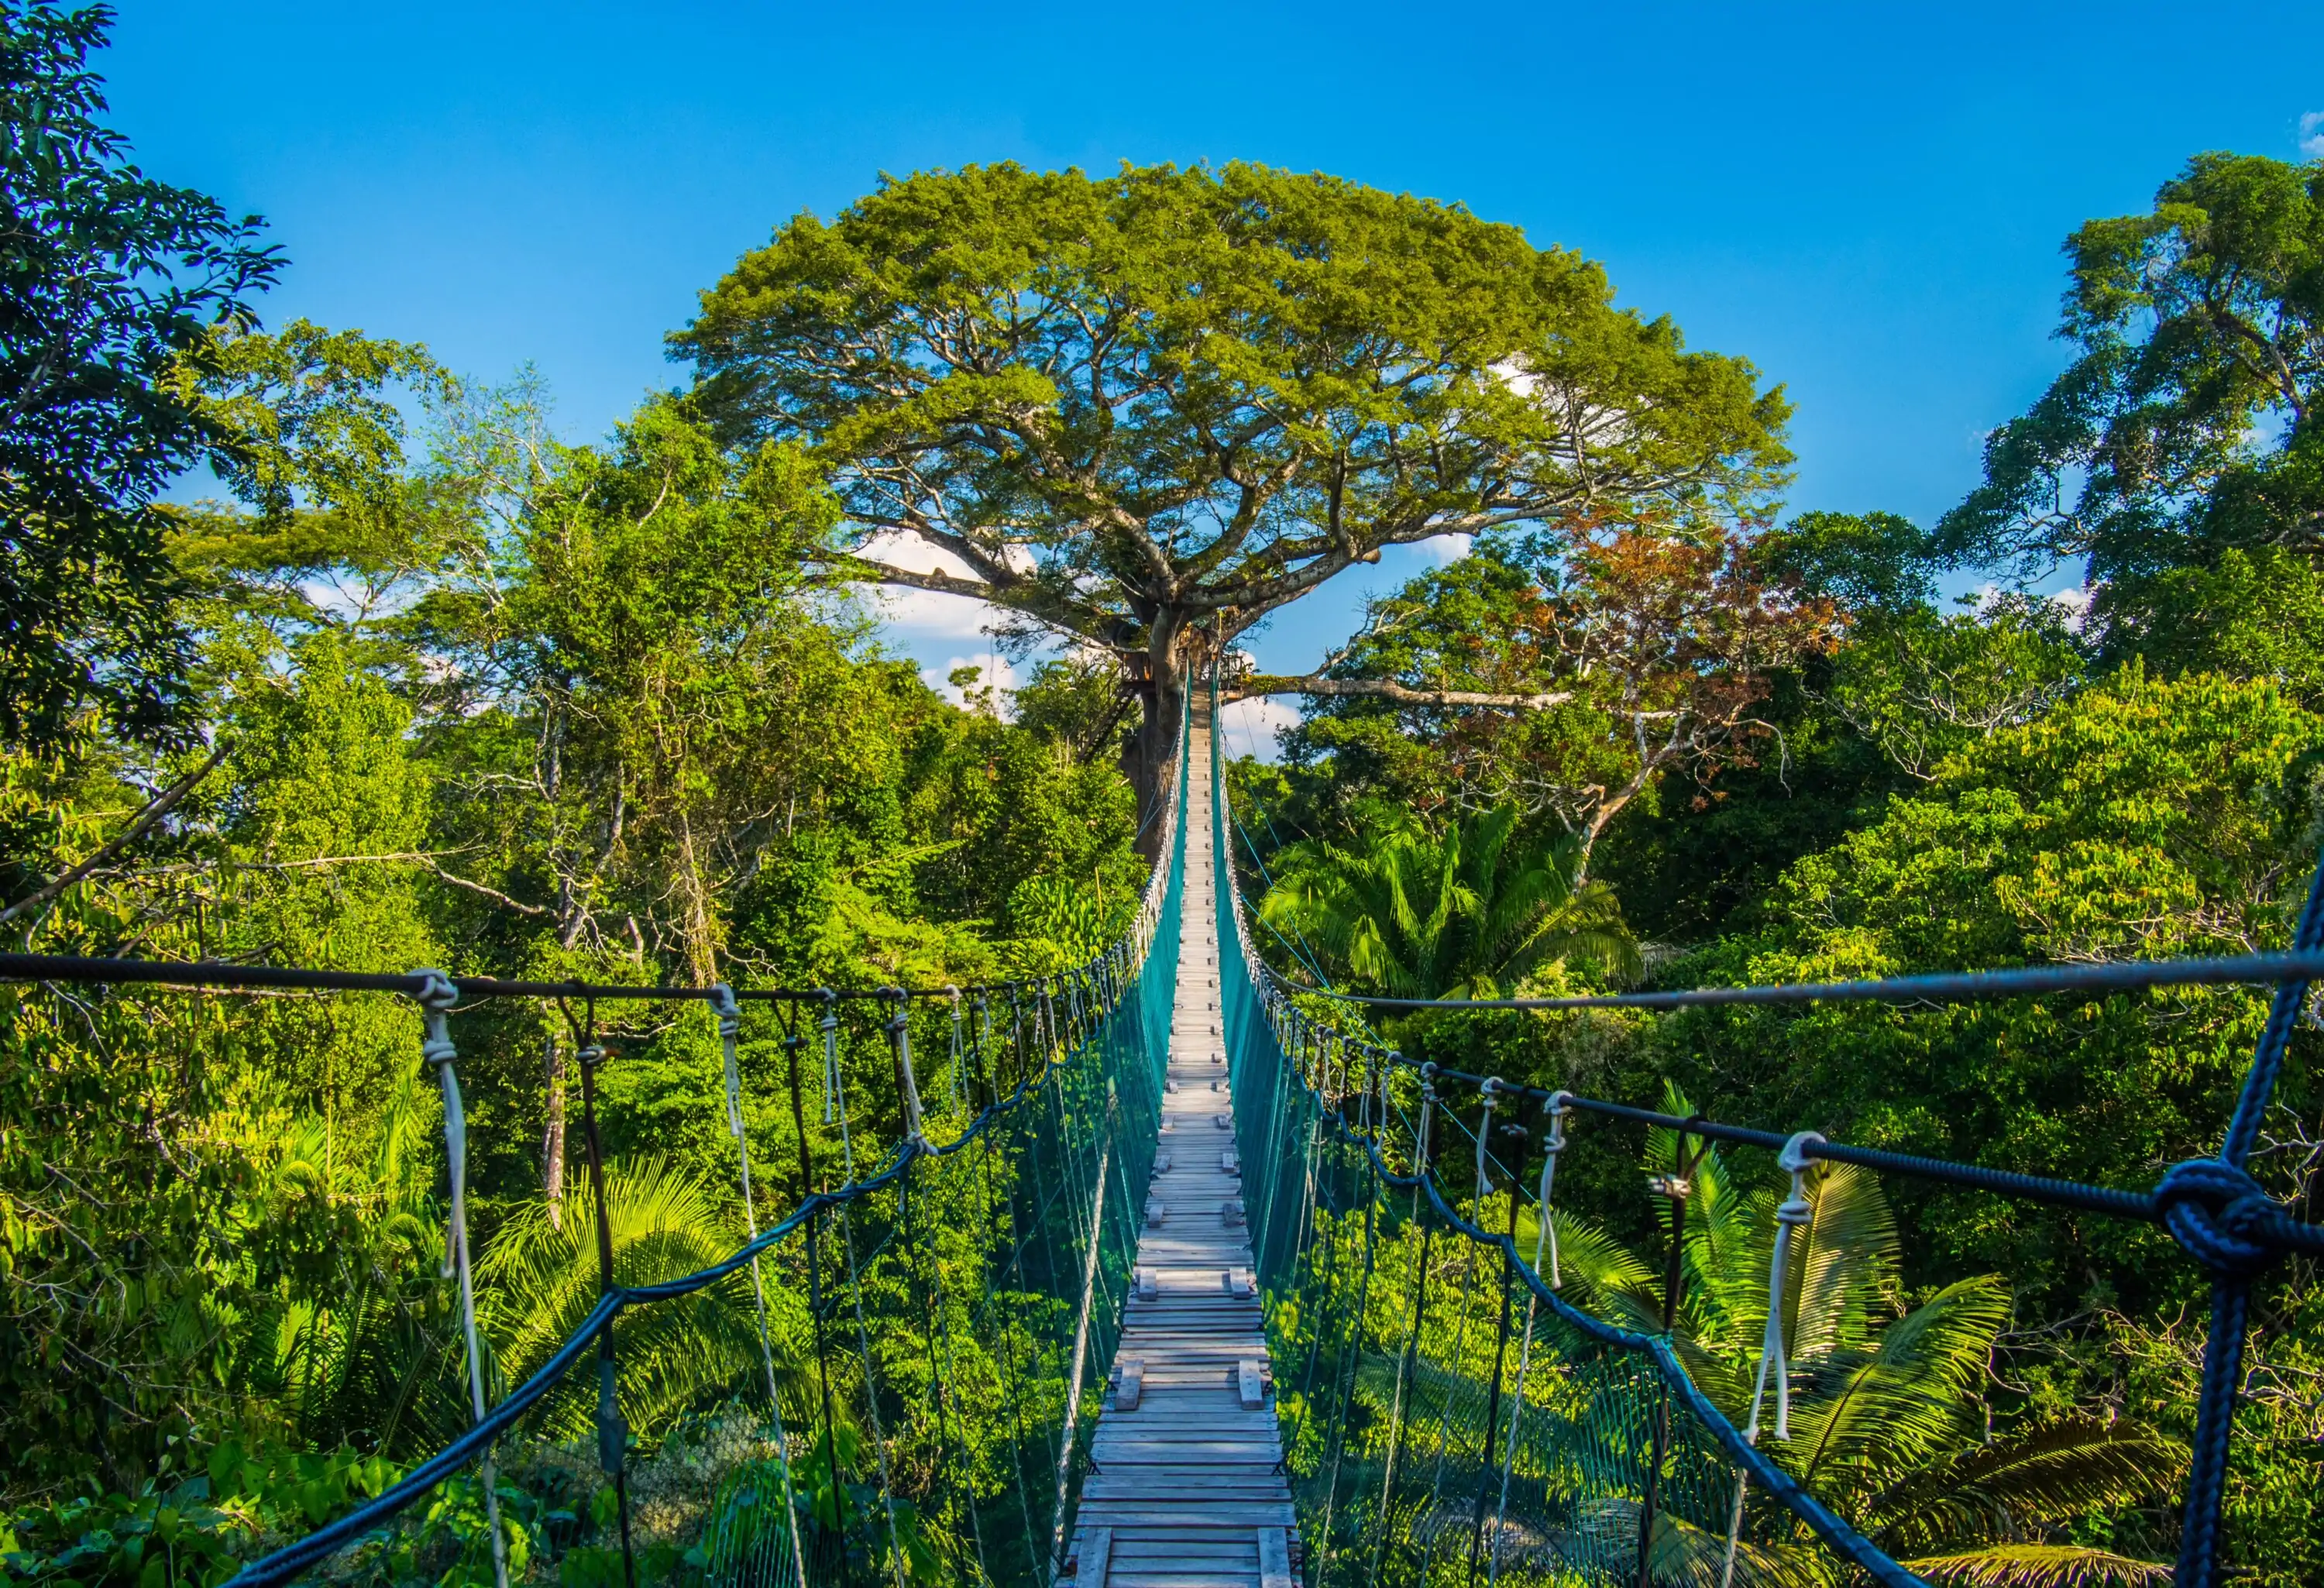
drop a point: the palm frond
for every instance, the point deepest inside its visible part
(2039, 1565)
(1842, 1264)
(537, 1281)
(2050, 1472)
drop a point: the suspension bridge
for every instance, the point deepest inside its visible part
(1145, 1274)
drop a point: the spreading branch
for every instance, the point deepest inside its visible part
(1257, 684)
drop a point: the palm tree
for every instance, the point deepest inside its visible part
(1464, 912)
(537, 1281)
(1886, 1423)
(363, 1358)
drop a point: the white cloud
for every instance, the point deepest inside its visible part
(923, 620)
(992, 670)
(1249, 727)
(2075, 603)
(2311, 136)
(1447, 547)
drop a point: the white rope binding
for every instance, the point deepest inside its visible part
(959, 1051)
(1545, 1239)
(835, 1106)
(436, 997)
(1794, 1211)
(730, 1027)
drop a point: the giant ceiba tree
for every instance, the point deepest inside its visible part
(1142, 412)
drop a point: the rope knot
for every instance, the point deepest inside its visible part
(2215, 1211)
(436, 993)
(1560, 1104)
(1793, 1160)
(729, 1012)
(436, 997)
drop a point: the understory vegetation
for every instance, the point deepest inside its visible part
(425, 685)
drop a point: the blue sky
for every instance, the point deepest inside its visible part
(1866, 201)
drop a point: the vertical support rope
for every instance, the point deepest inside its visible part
(1500, 1357)
(1419, 1312)
(855, 1288)
(612, 1431)
(1353, 1355)
(959, 1053)
(1544, 1240)
(1080, 1347)
(1460, 1331)
(792, 1043)
(834, 1083)
(730, 1027)
(1677, 1186)
(436, 998)
(1794, 1211)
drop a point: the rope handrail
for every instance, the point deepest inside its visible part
(220, 973)
(1938, 987)
(2146, 1206)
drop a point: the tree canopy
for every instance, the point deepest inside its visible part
(1130, 407)
(108, 277)
(2193, 416)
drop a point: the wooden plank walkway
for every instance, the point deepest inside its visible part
(1186, 1489)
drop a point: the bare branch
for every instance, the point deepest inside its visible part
(494, 894)
(159, 806)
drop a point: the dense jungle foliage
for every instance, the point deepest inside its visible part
(2131, 769)
(428, 686)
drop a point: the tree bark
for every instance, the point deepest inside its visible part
(1153, 751)
(552, 1138)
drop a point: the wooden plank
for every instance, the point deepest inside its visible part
(1097, 1558)
(1252, 1386)
(1274, 1559)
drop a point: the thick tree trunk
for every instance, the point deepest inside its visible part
(1162, 678)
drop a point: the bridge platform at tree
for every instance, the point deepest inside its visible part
(1187, 1489)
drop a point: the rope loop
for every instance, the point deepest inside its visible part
(833, 1103)
(1544, 1240)
(1492, 1088)
(436, 997)
(899, 1032)
(1794, 1211)
(730, 1025)
(2217, 1212)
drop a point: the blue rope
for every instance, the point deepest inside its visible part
(2303, 964)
